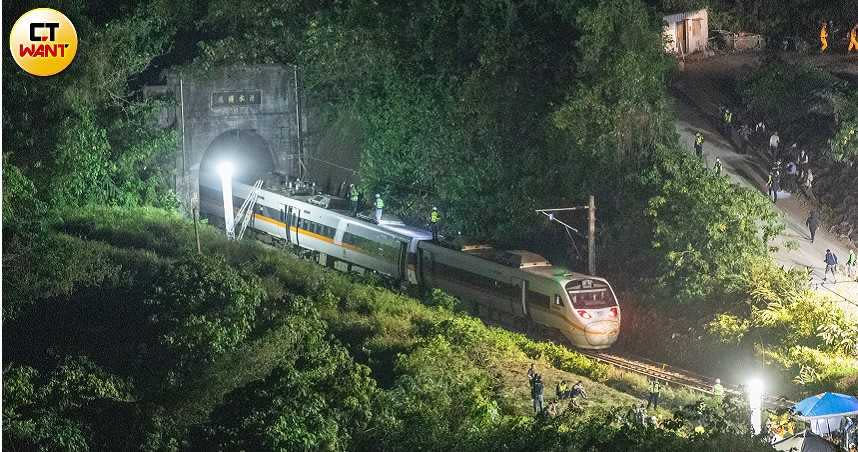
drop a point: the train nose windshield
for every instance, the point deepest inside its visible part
(590, 294)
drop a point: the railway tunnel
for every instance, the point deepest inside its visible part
(251, 158)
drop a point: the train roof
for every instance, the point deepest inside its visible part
(408, 231)
(526, 261)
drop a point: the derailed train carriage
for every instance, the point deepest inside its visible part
(518, 285)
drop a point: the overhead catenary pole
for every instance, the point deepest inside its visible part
(182, 112)
(302, 164)
(197, 231)
(591, 237)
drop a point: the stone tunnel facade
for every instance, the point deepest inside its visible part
(253, 102)
(252, 110)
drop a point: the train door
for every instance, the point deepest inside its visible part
(425, 266)
(402, 262)
(519, 304)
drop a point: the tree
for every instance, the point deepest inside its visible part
(317, 399)
(202, 308)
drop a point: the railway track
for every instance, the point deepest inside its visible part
(675, 376)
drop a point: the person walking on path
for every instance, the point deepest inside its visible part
(774, 184)
(803, 160)
(717, 166)
(698, 144)
(830, 266)
(774, 142)
(812, 223)
(354, 197)
(379, 208)
(654, 392)
(823, 37)
(434, 218)
(536, 393)
(808, 184)
(851, 262)
(531, 373)
(728, 121)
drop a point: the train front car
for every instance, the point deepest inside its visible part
(594, 311)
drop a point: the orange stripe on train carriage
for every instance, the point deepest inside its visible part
(305, 232)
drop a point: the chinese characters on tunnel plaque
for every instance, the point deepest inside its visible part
(236, 98)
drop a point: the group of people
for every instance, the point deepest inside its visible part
(823, 38)
(378, 204)
(831, 266)
(562, 392)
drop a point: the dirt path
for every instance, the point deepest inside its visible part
(751, 171)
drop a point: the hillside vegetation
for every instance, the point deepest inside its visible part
(247, 347)
(118, 334)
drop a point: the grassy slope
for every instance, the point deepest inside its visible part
(375, 324)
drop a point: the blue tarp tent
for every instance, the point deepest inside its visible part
(827, 413)
(827, 404)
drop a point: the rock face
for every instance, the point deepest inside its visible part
(836, 186)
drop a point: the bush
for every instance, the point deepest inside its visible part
(62, 410)
(318, 399)
(203, 308)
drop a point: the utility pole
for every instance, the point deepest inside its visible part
(197, 231)
(591, 236)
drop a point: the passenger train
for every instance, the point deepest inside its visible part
(515, 285)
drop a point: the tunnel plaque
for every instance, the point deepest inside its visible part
(236, 98)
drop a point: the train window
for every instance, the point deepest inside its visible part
(372, 243)
(598, 294)
(537, 299)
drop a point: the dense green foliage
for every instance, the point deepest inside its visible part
(487, 110)
(328, 363)
(785, 322)
(203, 308)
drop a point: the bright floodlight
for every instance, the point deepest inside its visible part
(224, 170)
(755, 401)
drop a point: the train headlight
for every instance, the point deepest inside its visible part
(615, 312)
(584, 314)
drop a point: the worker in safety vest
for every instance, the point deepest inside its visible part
(853, 39)
(728, 120)
(717, 389)
(379, 208)
(354, 197)
(434, 218)
(823, 37)
(698, 144)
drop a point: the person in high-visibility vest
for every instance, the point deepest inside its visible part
(717, 389)
(823, 37)
(379, 208)
(354, 197)
(698, 144)
(853, 39)
(434, 218)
